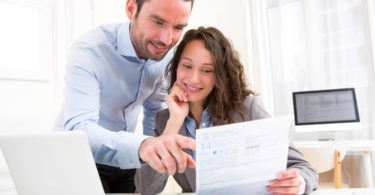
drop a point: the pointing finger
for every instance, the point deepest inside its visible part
(186, 142)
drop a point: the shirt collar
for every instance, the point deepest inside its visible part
(190, 123)
(125, 45)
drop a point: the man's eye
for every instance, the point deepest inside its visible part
(158, 22)
(179, 28)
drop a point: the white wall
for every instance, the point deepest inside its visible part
(227, 16)
(112, 11)
(31, 105)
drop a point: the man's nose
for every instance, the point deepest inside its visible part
(166, 35)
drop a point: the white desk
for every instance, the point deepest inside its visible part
(352, 191)
(363, 146)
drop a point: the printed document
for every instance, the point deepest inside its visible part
(241, 158)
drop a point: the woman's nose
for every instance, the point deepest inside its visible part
(195, 76)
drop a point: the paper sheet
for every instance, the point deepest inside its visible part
(241, 158)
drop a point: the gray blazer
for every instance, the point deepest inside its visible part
(148, 181)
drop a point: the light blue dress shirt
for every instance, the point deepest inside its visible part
(106, 85)
(190, 126)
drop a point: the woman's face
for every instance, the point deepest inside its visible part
(195, 71)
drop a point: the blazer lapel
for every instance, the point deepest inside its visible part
(183, 130)
(189, 172)
(190, 176)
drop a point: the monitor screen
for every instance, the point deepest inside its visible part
(325, 106)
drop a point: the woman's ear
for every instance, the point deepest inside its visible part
(131, 9)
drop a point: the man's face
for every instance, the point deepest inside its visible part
(158, 26)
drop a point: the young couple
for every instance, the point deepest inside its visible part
(207, 88)
(115, 69)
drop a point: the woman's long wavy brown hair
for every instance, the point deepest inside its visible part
(230, 88)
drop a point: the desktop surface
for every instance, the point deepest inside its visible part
(348, 191)
(351, 145)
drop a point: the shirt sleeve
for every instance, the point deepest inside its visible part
(303, 185)
(155, 102)
(81, 112)
(306, 170)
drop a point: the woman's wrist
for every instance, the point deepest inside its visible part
(173, 126)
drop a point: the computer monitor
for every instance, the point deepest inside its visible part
(326, 110)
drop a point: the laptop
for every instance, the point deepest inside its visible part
(58, 163)
(326, 110)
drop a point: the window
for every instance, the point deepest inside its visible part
(26, 40)
(313, 45)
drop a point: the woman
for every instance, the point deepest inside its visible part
(208, 88)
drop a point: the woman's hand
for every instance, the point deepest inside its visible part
(178, 103)
(178, 109)
(287, 182)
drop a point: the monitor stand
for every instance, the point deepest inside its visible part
(327, 136)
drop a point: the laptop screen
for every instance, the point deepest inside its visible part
(325, 106)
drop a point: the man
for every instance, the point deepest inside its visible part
(111, 73)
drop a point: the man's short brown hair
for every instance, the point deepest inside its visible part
(141, 2)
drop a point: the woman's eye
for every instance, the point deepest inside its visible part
(186, 66)
(206, 71)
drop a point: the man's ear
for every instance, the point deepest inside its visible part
(131, 9)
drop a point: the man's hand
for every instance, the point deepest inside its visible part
(164, 153)
(287, 182)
